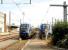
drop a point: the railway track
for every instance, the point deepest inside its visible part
(11, 36)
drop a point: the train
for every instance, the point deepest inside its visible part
(25, 31)
(45, 30)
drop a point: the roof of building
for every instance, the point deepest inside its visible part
(13, 26)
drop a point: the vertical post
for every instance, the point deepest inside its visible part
(9, 21)
(52, 25)
(5, 28)
(23, 17)
(20, 21)
(30, 1)
(55, 21)
(65, 12)
(1, 1)
(52, 21)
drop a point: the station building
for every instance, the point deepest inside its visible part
(3, 27)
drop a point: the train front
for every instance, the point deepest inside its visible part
(24, 31)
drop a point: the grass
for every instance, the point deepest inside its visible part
(16, 46)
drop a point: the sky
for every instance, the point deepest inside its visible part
(35, 14)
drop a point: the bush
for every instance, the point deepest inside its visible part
(60, 34)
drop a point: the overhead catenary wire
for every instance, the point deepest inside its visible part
(20, 10)
(17, 5)
(47, 11)
(2, 2)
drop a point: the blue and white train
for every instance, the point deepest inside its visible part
(25, 30)
(45, 30)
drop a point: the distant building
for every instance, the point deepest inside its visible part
(13, 28)
(3, 27)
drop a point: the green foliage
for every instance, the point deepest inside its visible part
(60, 34)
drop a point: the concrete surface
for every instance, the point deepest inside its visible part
(38, 45)
(6, 43)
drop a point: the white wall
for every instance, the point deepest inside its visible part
(1, 22)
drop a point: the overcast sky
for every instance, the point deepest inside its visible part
(38, 12)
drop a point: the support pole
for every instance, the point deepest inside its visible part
(1, 1)
(30, 1)
(65, 10)
(5, 27)
(9, 21)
